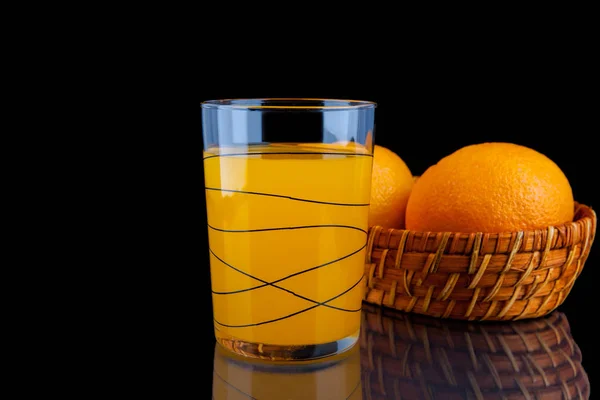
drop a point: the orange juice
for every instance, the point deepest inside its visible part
(287, 231)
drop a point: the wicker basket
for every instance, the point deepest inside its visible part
(406, 356)
(477, 276)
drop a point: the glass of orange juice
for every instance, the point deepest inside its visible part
(287, 186)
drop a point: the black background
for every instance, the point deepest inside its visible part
(428, 116)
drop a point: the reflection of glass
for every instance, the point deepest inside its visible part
(287, 193)
(417, 357)
(332, 378)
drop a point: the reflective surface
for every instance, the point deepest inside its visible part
(406, 356)
(338, 377)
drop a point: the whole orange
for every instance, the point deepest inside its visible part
(391, 185)
(490, 187)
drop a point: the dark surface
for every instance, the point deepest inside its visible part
(432, 124)
(415, 357)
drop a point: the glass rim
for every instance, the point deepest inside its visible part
(288, 103)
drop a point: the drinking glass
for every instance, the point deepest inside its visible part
(287, 184)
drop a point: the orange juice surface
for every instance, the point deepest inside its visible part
(287, 231)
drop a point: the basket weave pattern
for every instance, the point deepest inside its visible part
(418, 357)
(477, 276)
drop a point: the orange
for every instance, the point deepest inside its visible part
(391, 184)
(492, 188)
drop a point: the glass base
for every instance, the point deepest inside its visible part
(287, 352)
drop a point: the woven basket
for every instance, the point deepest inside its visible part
(477, 276)
(406, 356)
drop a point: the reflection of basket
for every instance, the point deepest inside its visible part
(418, 357)
(478, 276)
